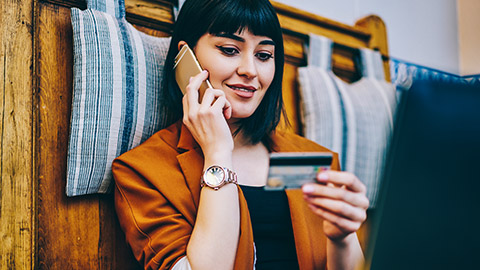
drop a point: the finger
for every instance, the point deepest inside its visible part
(185, 109)
(340, 222)
(336, 193)
(193, 87)
(220, 104)
(349, 180)
(213, 95)
(185, 103)
(339, 208)
(227, 109)
(210, 96)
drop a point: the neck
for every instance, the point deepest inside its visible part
(239, 140)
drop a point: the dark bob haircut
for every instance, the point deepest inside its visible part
(199, 17)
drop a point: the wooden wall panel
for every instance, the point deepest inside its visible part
(368, 32)
(16, 135)
(150, 31)
(80, 232)
(304, 23)
(153, 14)
(378, 41)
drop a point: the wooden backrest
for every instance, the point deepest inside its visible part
(369, 32)
(40, 226)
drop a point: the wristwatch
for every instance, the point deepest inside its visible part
(217, 176)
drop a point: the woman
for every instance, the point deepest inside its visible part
(174, 214)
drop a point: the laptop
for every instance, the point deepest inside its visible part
(429, 203)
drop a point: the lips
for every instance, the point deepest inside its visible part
(241, 90)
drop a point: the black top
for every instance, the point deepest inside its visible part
(272, 228)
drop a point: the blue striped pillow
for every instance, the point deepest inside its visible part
(368, 106)
(320, 102)
(355, 119)
(117, 79)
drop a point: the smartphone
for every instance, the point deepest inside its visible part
(291, 170)
(186, 65)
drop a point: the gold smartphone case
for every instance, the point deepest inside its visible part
(186, 66)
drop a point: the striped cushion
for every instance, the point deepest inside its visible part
(320, 101)
(354, 120)
(115, 8)
(368, 106)
(117, 79)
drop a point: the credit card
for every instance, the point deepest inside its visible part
(291, 170)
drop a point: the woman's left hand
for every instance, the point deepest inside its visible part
(340, 199)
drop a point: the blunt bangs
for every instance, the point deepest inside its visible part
(236, 16)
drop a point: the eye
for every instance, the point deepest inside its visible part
(230, 51)
(263, 56)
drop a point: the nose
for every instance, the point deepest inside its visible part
(247, 66)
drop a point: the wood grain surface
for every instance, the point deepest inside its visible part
(79, 232)
(16, 135)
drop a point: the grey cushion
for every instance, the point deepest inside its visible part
(354, 120)
(117, 81)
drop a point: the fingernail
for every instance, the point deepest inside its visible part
(323, 177)
(204, 71)
(308, 188)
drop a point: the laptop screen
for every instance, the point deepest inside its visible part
(429, 205)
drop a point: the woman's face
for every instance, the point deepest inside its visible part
(242, 65)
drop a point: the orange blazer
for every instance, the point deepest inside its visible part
(157, 194)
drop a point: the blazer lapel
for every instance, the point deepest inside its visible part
(191, 162)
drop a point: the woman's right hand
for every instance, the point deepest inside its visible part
(217, 222)
(207, 121)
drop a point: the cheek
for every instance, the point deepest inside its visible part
(267, 75)
(208, 60)
(219, 70)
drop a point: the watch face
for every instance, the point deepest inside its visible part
(214, 176)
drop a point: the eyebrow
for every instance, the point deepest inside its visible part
(238, 38)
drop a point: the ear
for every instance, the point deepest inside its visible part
(181, 43)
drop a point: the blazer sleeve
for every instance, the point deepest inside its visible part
(155, 229)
